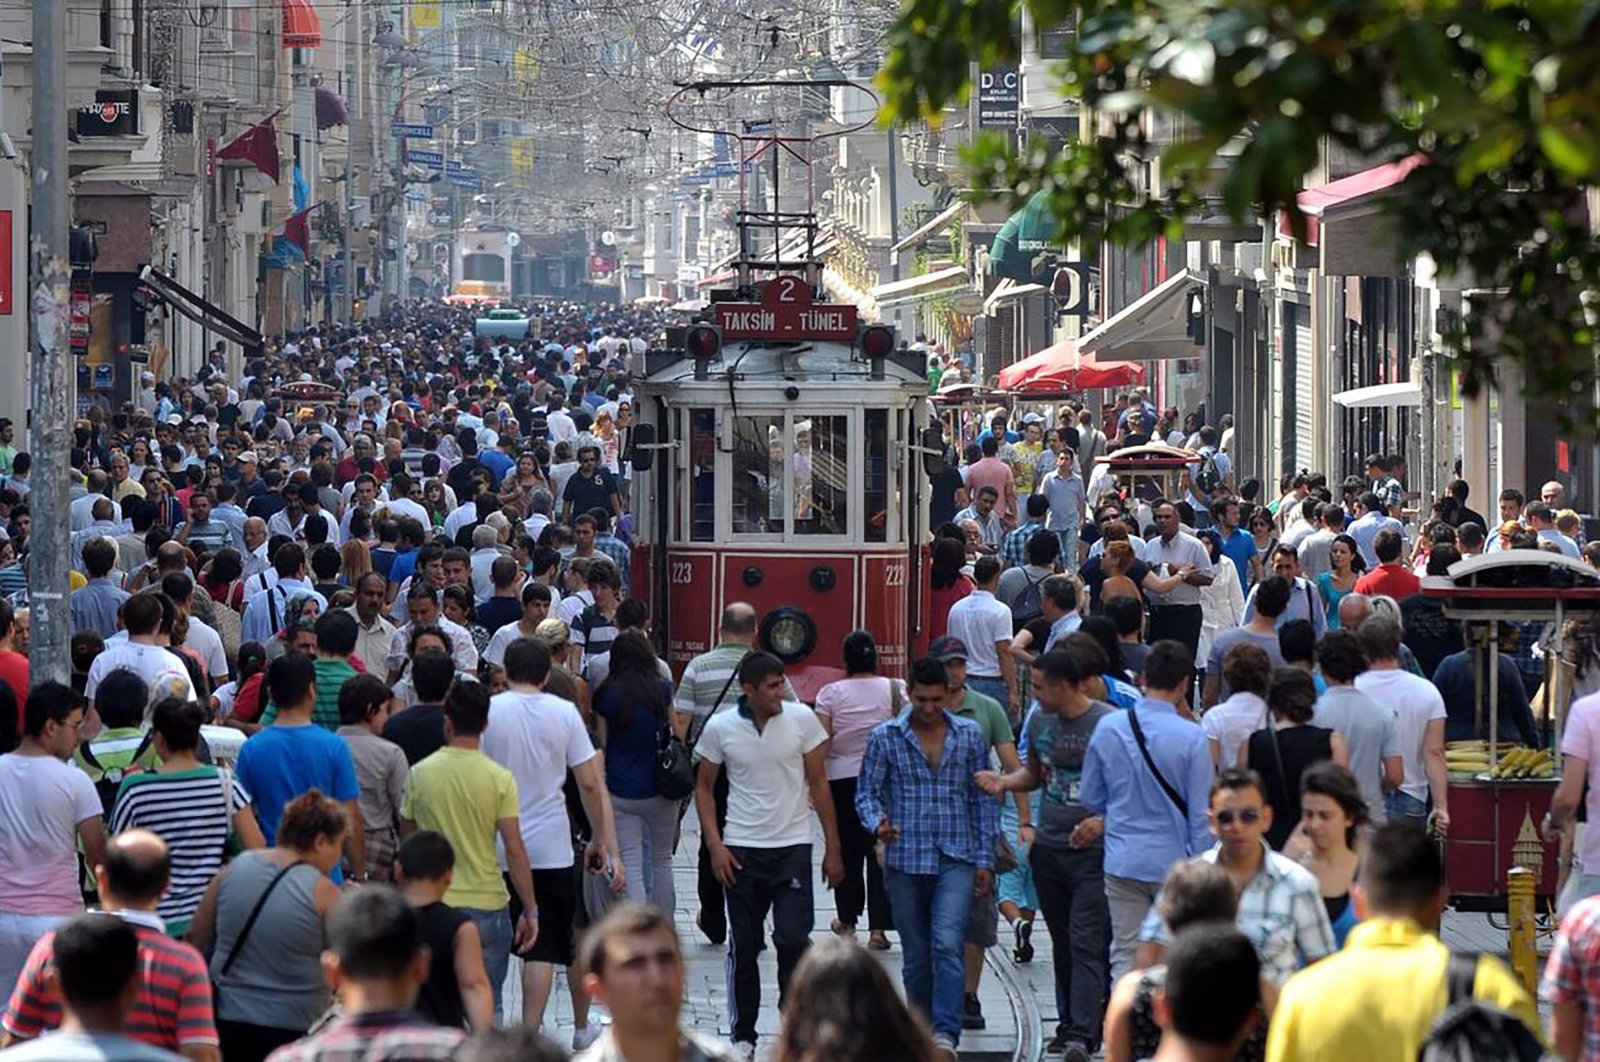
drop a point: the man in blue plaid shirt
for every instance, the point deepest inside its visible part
(1013, 554)
(917, 789)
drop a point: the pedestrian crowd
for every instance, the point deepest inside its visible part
(362, 709)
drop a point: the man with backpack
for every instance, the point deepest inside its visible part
(1021, 589)
(123, 745)
(1212, 473)
(1380, 998)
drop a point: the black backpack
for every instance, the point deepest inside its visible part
(1028, 605)
(1470, 1030)
(1208, 478)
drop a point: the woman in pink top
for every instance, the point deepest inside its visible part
(849, 709)
(950, 584)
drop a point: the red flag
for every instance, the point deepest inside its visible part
(257, 145)
(297, 230)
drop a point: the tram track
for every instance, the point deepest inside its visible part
(1024, 1010)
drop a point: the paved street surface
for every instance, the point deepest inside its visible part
(706, 1005)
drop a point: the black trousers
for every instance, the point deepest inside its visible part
(856, 847)
(776, 880)
(1181, 623)
(713, 904)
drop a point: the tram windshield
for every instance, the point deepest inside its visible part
(789, 474)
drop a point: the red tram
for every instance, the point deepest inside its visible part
(775, 462)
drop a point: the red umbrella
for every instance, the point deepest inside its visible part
(1063, 368)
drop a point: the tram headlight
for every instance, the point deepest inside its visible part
(703, 341)
(788, 634)
(877, 341)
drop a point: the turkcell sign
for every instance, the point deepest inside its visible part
(425, 158)
(756, 320)
(465, 180)
(412, 130)
(456, 166)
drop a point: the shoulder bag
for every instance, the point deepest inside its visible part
(674, 759)
(1144, 750)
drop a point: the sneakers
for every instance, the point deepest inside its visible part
(944, 1047)
(744, 1052)
(1067, 1050)
(584, 1035)
(972, 1016)
(1022, 952)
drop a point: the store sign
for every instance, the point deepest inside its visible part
(998, 95)
(412, 130)
(114, 112)
(78, 329)
(434, 159)
(5, 262)
(602, 263)
(786, 312)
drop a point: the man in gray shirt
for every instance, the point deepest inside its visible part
(1271, 598)
(1040, 552)
(1316, 547)
(1368, 727)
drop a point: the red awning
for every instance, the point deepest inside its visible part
(301, 26)
(1315, 202)
(718, 278)
(1063, 368)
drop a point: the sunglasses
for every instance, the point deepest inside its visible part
(1249, 817)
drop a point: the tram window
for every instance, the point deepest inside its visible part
(758, 459)
(822, 476)
(702, 475)
(875, 474)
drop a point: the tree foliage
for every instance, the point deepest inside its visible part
(1501, 99)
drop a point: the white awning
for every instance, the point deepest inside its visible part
(1009, 290)
(1381, 396)
(1154, 327)
(920, 289)
(928, 228)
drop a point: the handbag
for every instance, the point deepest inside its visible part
(674, 763)
(1005, 856)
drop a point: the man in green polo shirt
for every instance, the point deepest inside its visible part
(336, 641)
(984, 923)
(706, 688)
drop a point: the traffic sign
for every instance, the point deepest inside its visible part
(414, 130)
(786, 312)
(513, 239)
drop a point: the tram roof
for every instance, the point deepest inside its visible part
(764, 362)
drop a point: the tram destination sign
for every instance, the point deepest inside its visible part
(786, 311)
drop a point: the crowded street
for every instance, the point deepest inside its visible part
(881, 532)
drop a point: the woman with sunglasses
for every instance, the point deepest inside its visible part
(1264, 532)
(1287, 745)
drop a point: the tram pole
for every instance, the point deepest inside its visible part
(49, 302)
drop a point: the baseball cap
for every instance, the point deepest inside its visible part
(174, 418)
(947, 649)
(248, 457)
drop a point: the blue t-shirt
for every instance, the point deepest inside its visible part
(404, 566)
(631, 745)
(497, 463)
(279, 763)
(1239, 547)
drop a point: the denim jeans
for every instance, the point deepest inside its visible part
(495, 931)
(930, 913)
(18, 934)
(644, 833)
(1400, 805)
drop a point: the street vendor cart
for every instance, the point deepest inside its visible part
(1494, 818)
(1145, 473)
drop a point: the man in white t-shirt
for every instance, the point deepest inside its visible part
(773, 751)
(1580, 786)
(1419, 717)
(145, 653)
(46, 807)
(984, 625)
(538, 737)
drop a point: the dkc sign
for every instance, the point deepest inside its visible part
(998, 94)
(786, 312)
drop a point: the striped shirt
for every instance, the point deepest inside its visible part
(373, 1035)
(705, 687)
(594, 632)
(184, 809)
(173, 1009)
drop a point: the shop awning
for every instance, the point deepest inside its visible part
(301, 26)
(1154, 327)
(1009, 291)
(205, 314)
(1345, 223)
(920, 289)
(1381, 396)
(1026, 245)
(718, 278)
(932, 228)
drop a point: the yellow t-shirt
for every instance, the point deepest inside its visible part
(1376, 1000)
(464, 794)
(1024, 464)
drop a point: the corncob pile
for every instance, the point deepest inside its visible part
(1514, 761)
